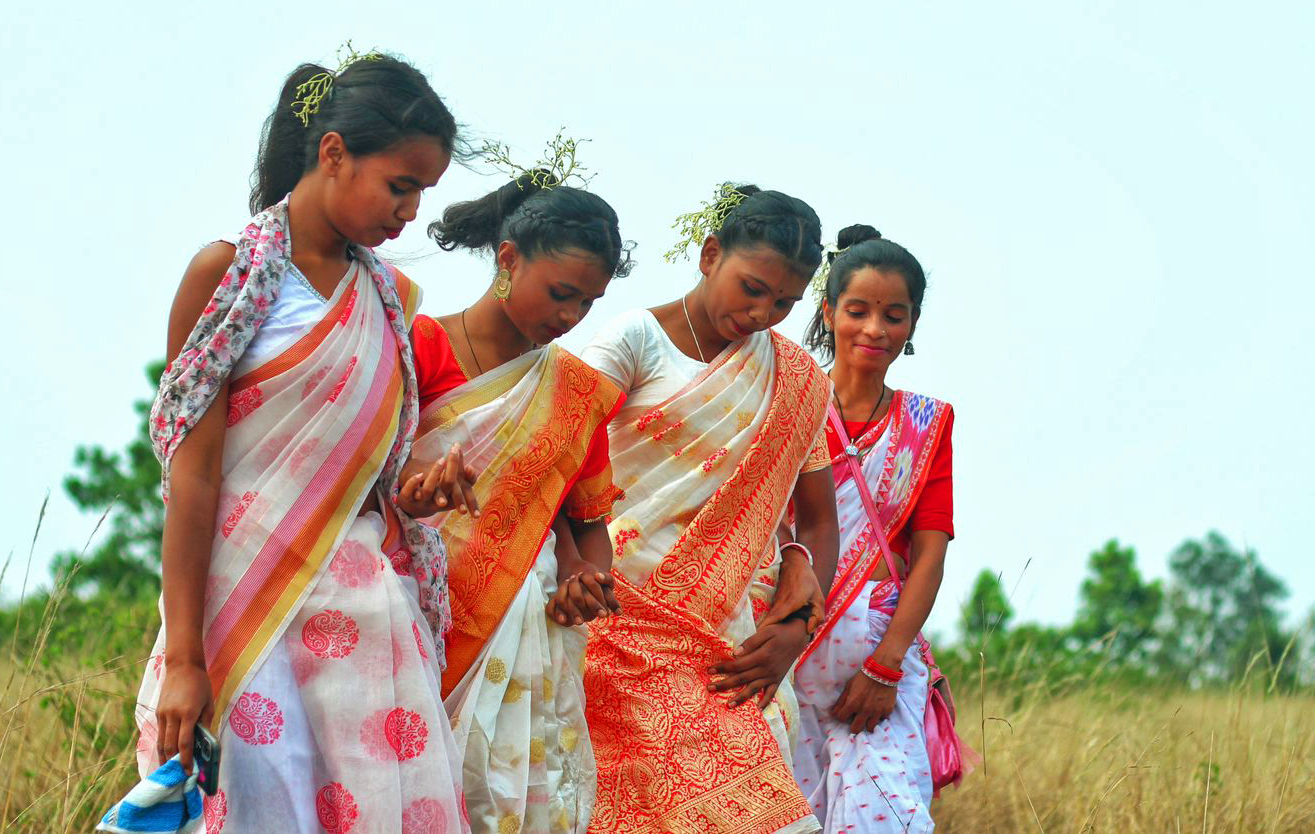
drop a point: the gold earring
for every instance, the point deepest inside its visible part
(502, 286)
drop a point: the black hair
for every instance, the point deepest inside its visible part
(373, 104)
(769, 218)
(862, 246)
(540, 217)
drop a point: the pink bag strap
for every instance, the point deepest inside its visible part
(856, 471)
(874, 520)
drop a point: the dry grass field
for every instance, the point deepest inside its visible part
(1123, 761)
(1101, 758)
(67, 739)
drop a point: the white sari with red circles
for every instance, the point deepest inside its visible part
(320, 623)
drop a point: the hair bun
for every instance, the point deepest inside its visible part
(745, 190)
(855, 234)
(513, 194)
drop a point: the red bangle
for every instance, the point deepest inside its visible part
(808, 554)
(892, 675)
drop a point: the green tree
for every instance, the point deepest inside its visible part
(987, 610)
(1222, 614)
(126, 485)
(1117, 608)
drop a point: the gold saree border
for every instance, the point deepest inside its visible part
(714, 559)
(671, 755)
(542, 452)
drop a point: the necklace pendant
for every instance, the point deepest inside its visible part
(851, 450)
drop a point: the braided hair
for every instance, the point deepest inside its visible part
(861, 246)
(786, 224)
(540, 217)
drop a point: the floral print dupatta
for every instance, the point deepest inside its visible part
(310, 433)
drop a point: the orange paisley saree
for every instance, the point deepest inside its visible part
(707, 474)
(533, 429)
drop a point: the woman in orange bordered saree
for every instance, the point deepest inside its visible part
(689, 713)
(530, 566)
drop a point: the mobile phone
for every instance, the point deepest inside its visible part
(205, 758)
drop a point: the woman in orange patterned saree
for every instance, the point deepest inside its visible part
(532, 421)
(688, 712)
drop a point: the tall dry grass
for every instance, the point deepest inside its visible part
(67, 752)
(1115, 759)
(1103, 756)
(67, 693)
(1107, 759)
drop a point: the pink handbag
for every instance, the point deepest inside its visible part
(950, 758)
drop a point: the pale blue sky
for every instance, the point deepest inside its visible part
(1112, 199)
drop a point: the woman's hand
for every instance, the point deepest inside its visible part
(761, 662)
(185, 700)
(864, 704)
(797, 592)
(584, 593)
(434, 487)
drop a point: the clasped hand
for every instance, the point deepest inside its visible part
(584, 595)
(431, 487)
(763, 661)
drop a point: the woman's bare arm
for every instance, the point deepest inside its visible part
(196, 473)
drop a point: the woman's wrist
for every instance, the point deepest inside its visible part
(799, 550)
(799, 618)
(572, 566)
(878, 677)
(887, 656)
(886, 674)
(177, 656)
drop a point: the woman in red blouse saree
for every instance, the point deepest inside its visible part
(531, 422)
(534, 429)
(863, 684)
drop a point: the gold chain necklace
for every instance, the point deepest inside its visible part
(685, 307)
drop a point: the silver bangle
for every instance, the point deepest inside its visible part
(808, 554)
(878, 679)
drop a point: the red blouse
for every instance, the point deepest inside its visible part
(438, 372)
(935, 507)
(437, 369)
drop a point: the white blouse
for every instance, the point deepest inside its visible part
(298, 308)
(636, 353)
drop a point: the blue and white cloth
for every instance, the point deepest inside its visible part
(166, 802)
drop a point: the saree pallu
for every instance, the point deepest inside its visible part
(321, 656)
(513, 686)
(880, 781)
(707, 476)
(340, 728)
